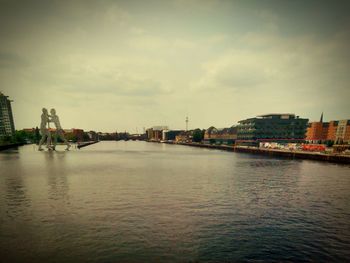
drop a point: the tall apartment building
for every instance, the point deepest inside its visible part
(7, 125)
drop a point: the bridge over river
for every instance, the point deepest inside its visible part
(137, 201)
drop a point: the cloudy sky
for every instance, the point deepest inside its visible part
(121, 65)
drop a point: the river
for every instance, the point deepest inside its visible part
(148, 202)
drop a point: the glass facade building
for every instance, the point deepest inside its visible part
(273, 127)
(7, 126)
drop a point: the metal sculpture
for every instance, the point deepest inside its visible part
(45, 130)
(59, 131)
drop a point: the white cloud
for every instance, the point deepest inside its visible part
(152, 62)
(239, 69)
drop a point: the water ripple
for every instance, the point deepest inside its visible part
(137, 202)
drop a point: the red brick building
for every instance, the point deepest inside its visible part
(336, 131)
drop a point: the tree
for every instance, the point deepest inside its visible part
(329, 143)
(198, 135)
(19, 137)
(5, 139)
(86, 137)
(71, 137)
(37, 135)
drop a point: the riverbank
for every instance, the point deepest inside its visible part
(335, 158)
(9, 146)
(84, 144)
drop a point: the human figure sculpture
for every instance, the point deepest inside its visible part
(59, 130)
(44, 131)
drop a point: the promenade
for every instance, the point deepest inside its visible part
(336, 158)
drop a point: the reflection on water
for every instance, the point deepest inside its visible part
(56, 175)
(16, 198)
(137, 201)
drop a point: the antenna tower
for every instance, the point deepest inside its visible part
(186, 123)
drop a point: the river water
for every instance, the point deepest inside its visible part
(148, 202)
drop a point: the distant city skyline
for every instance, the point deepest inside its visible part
(122, 65)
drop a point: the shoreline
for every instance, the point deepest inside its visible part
(9, 146)
(334, 158)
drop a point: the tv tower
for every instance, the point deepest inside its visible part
(186, 123)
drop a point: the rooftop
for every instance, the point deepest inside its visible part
(276, 114)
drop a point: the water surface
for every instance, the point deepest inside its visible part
(138, 201)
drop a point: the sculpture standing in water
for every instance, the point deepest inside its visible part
(44, 131)
(59, 130)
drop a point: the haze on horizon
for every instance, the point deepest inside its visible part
(118, 65)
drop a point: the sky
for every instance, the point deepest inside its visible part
(124, 65)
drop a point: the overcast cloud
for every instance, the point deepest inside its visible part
(118, 65)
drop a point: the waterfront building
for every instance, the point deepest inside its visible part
(272, 127)
(7, 125)
(227, 136)
(29, 130)
(317, 131)
(337, 131)
(332, 129)
(78, 134)
(155, 133)
(149, 133)
(342, 134)
(184, 136)
(170, 135)
(320, 131)
(73, 134)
